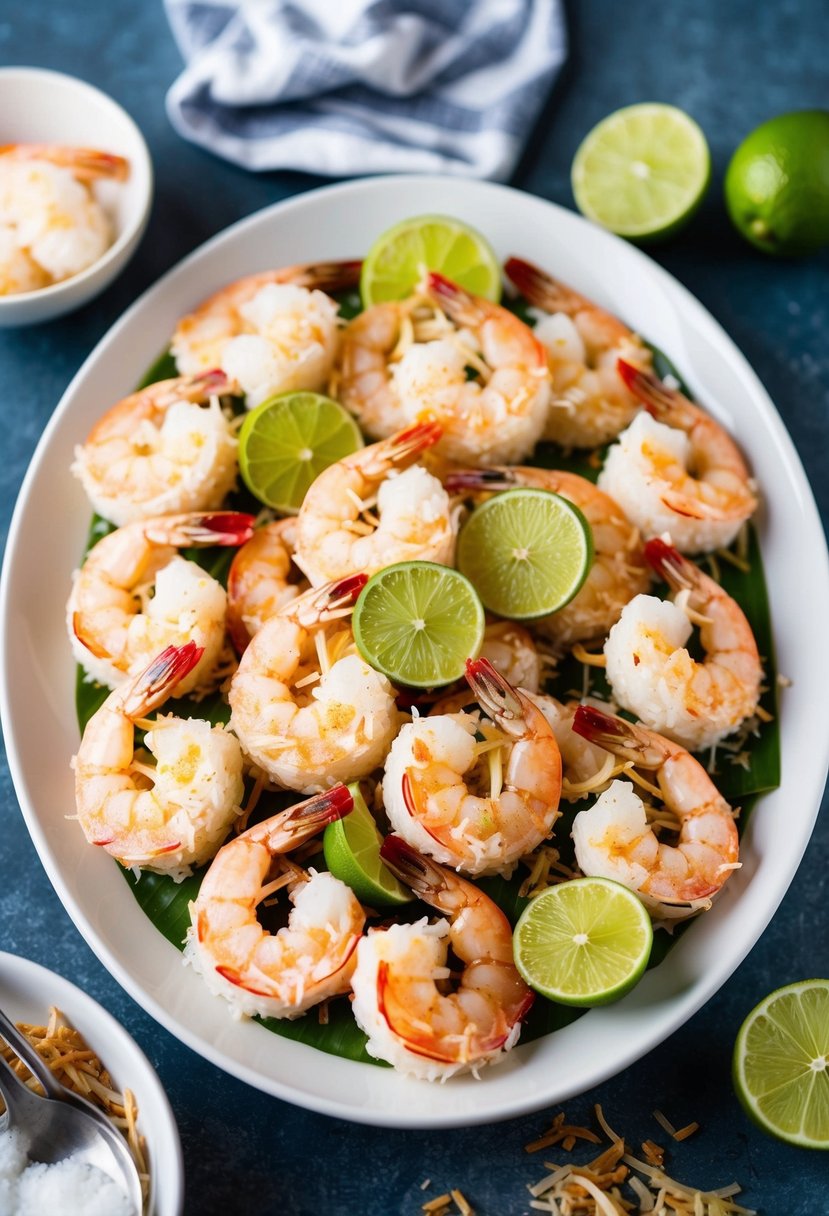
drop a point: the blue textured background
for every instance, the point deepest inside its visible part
(730, 66)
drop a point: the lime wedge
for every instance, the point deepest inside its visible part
(781, 1064)
(418, 623)
(642, 172)
(526, 551)
(397, 259)
(352, 854)
(287, 441)
(584, 942)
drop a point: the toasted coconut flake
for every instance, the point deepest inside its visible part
(461, 1204)
(437, 1205)
(654, 1153)
(586, 657)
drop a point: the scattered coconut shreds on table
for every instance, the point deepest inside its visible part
(616, 1183)
(451, 1203)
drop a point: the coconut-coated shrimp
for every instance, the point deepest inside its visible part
(115, 626)
(272, 332)
(653, 675)
(167, 816)
(618, 571)
(414, 518)
(417, 1016)
(614, 839)
(677, 470)
(396, 368)
(590, 403)
(277, 975)
(262, 579)
(168, 447)
(474, 817)
(51, 224)
(307, 709)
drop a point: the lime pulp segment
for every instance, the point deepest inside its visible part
(287, 441)
(526, 551)
(418, 623)
(781, 1064)
(352, 853)
(584, 942)
(642, 171)
(396, 262)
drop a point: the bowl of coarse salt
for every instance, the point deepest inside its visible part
(76, 185)
(88, 1050)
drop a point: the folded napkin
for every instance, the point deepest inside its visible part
(344, 87)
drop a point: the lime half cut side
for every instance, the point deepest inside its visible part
(781, 1064)
(526, 551)
(642, 171)
(397, 259)
(352, 854)
(418, 623)
(287, 441)
(584, 942)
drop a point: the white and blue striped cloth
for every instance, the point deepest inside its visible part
(344, 87)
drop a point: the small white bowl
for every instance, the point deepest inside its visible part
(39, 106)
(27, 991)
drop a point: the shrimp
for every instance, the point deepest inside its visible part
(114, 625)
(166, 817)
(160, 450)
(585, 767)
(678, 471)
(261, 580)
(417, 1015)
(397, 368)
(618, 571)
(52, 226)
(308, 710)
(433, 787)
(590, 403)
(277, 975)
(414, 518)
(614, 839)
(654, 676)
(272, 332)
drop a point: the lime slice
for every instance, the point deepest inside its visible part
(418, 623)
(352, 854)
(781, 1064)
(584, 942)
(287, 441)
(527, 552)
(397, 259)
(642, 172)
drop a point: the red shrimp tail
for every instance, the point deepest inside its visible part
(669, 564)
(535, 285)
(413, 440)
(345, 592)
(456, 302)
(423, 875)
(197, 530)
(158, 679)
(493, 479)
(199, 387)
(493, 693)
(326, 603)
(317, 812)
(228, 527)
(657, 398)
(331, 276)
(618, 736)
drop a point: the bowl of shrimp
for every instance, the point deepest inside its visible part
(76, 187)
(259, 714)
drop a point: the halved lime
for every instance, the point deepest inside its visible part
(418, 623)
(642, 171)
(781, 1064)
(287, 441)
(397, 259)
(527, 552)
(352, 854)
(584, 942)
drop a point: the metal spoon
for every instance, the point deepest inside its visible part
(62, 1123)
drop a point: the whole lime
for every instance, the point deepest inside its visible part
(777, 184)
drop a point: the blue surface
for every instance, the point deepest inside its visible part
(731, 66)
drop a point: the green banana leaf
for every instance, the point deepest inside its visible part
(166, 903)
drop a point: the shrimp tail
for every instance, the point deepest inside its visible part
(412, 441)
(327, 603)
(657, 398)
(670, 565)
(539, 288)
(462, 307)
(330, 276)
(317, 812)
(496, 695)
(424, 876)
(153, 685)
(224, 528)
(479, 479)
(617, 735)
